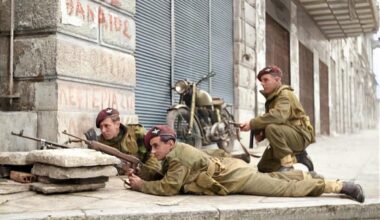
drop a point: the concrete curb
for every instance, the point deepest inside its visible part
(273, 211)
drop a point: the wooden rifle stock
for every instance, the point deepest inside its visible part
(131, 160)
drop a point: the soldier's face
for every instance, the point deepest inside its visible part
(109, 128)
(270, 83)
(159, 148)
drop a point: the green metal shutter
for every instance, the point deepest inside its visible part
(222, 49)
(153, 55)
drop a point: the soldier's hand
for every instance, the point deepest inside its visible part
(259, 136)
(245, 126)
(136, 182)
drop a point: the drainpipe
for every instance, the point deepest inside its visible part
(172, 50)
(11, 95)
(209, 47)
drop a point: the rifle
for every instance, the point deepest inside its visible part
(127, 159)
(44, 143)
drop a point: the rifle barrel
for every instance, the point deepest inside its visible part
(41, 140)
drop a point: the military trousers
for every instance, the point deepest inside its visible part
(283, 140)
(287, 184)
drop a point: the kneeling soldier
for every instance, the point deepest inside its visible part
(189, 170)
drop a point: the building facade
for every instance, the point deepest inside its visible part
(64, 60)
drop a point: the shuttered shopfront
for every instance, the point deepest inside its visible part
(277, 47)
(202, 43)
(324, 98)
(306, 73)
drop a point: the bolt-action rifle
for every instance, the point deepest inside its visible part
(129, 160)
(45, 144)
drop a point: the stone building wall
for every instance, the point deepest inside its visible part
(71, 59)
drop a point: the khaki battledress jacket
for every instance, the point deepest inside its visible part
(283, 107)
(189, 170)
(131, 141)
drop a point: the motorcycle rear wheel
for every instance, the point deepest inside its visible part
(179, 119)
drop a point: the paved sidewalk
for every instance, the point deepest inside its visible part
(348, 157)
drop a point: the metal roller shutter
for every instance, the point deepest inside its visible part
(191, 53)
(222, 49)
(153, 55)
(191, 41)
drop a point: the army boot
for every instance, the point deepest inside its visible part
(304, 158)
(353, 190)
(286, 164)
(245, 157)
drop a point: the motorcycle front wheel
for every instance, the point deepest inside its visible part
(179, 119)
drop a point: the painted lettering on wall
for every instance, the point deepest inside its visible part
(84, 12)
(76, 97)
(96, 63)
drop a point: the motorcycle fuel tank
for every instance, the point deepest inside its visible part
(203, 98)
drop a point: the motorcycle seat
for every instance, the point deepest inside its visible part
(217, 101)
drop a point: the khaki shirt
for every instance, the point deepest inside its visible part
(190, 170)
(283, 107)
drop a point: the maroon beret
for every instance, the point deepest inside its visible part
(159, 130)
(105, 113)
(273, 70)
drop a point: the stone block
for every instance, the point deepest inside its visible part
(124, 5)
(30, 15)
(79, 18)
(244, 55)
(14, 158)
(117, 30)
(245, 98)
(75, 157)
(73, 172)
(252, 3)
(93, 62)
(35, 56)
(64, 188)
(250, 14)
(39, 57)
(46, 97)
(250, 35)
(243, 77)
(82, 97)
(16, 121)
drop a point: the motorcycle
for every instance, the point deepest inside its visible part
(201, 120)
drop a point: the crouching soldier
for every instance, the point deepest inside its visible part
(189, 170)
(128, 139)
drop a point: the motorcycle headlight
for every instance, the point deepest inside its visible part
(181, 86)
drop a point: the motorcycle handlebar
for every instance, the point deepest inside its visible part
(209, 75)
